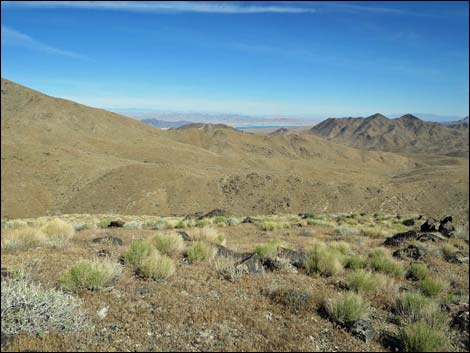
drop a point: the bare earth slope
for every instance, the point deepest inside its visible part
(62, 157)
(405, 134)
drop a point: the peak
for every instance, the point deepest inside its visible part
(409, 117)
(203, 126)
(377, 116)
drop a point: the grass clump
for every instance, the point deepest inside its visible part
(201, 223)
(318, 222)
(323, 260)
(201, 251)
(431, 286)
(422, 337)
(22, 239)
(168, 243)
(355, 262)
(27, 308)
(372, 232)
(418, 271)
(347, 307)
(346, 231)
(93, 275)
(268, 250)
(414, 307)
(156, 266)
(381, 261)
(58, 232)
(210, 235)
(137, 252)
(220, 220)
(448, 250)
(180, 224)
(364, 281)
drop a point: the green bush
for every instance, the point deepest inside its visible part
(363, 281)
(346, 231)
(156, 266)
(355, 262)
(180, 224)
(268, 250)
(58, 232)
(413, 307)
(168, 243)
(422, 337)
(220, 219)
(431, 287)
(93, 275)
(320, 259)
(418, 271)
(137, 252)
(382, 262)
(347, 307)
(201, 251)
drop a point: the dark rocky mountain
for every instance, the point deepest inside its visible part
(407, 134)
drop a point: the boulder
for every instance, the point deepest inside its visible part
(446, 227)
(399, 238)
(457, 258)
(108, 239)
(431, 225)
(411, 251)
(461, 320)
(278, 264)
(225, 252)
(252, 264)
(214, 213)
(195, 215)
(116, 224)
(249, 220)
(363, 330)
(432, 236)
(408, 222)
(296, 258)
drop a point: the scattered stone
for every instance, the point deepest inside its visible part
(103, 253)
(363, 330)
(411, 251)
(446, 227)
(108, 239)
(457, 258)
(116, 224)
(408, 222)
(296, 258)
(252, 264)
(214, 213)
(249, 220)
(103, 312)
(306, 233)
(183, 235)
(431, 225)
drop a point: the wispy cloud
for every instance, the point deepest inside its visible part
(13, 37)
(166, 6)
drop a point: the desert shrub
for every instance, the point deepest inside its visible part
(269, 249)
(267, 226)
(22, 238)
(168, 243)
(363, 281)
(180, 224)
(347, 307)
(228, 269)
(341, 246)
(320, 259)
(58, 232)
(201, 251)
(104, 223)
(413, 307)
(346, 231)
(13, 224)
(351, 221)
(156, 266)
(431, 286)
(309, 215)
(133, 225)
(355, 262)
(448, 250)
(159, 224)
(293, 299)
(201, 223)
(28, 308)
(372, 232)
(418, 271)
(220, 219)
(318, 222)
(137, 252)
(422, 337)
(210, 235)
(234, 221)
(94, 275)
(381, 261)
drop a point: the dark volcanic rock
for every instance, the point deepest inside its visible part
(214, 213)
(363, 330)
(249, 220)
(446, 227)
(410, 251)
(183, 235)
(108, 238)
(461, 320)
(5, 273)
(252, 264)
(431, 225)
(116, 224)
(103, 253)
(296, 258)
(408, 222)
(434, 237)
(399, 238)
(195, 215)
(225, 252)
(457, 258)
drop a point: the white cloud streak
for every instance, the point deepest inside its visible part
(13, 37)
(164, 6)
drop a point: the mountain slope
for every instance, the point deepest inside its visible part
(405, 134)
(58, 157)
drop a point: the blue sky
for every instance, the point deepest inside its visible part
(312, 59)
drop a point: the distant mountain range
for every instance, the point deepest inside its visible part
(163, 124)
(458, 123)
(404, 134)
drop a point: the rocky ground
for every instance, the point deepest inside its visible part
(242, 300)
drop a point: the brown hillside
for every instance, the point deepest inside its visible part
(62, 157)
(405, 134)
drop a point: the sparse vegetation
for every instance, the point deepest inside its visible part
(22, 238)
(168, 243)
(92, 275)
(211, 235)
(381, 261)
(363, 281)
(157, 267)
(355, 262)
(137, 252)
(422, 337)
(201, 251)
(347, 307)
(269, 249)
(431, 286)
(58, 232)
(323, 260)
(418, 271)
